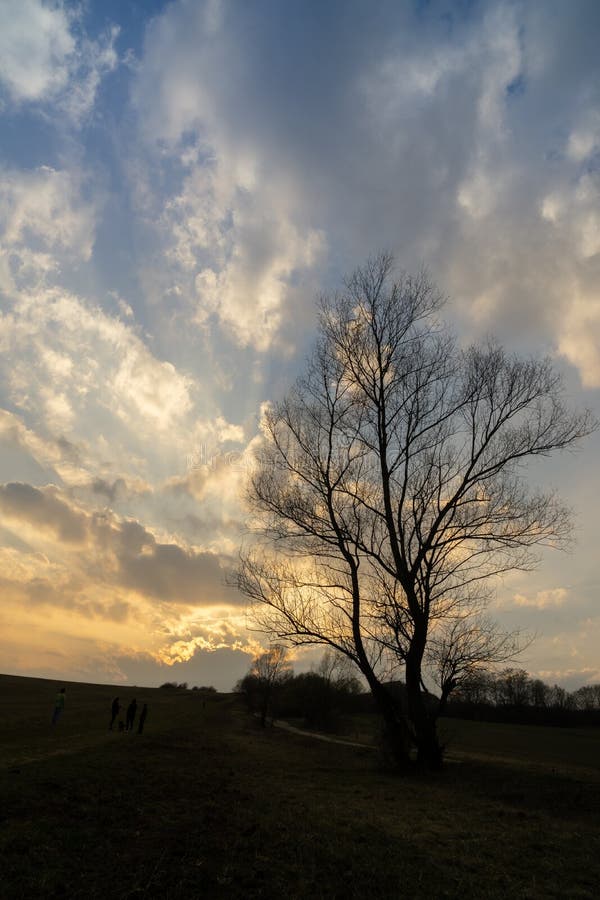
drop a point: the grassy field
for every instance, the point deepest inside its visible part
(571, 751)
(206, 804)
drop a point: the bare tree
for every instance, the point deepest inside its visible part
(337, 669)
(391, 489)
(269, 670)
(587, 697)
(464, 647)
(513, 688)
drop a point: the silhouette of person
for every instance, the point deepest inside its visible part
(59, 705)
(130, 718)
(143, 715)
(114, 712)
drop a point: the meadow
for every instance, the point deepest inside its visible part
(205, 803)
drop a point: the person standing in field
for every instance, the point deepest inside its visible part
(114, 712)
(143, 715)
(131, 711)
(59, 705)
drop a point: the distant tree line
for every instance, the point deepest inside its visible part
(323, 697)
(318, 698)
(513, 696)
(183, 686)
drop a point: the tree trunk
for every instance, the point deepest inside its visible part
(396, 733)
(447, 688)
(423, 719)
(264, 707)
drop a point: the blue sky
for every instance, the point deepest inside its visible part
(178, 182)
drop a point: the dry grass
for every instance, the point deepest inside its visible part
(205, 804)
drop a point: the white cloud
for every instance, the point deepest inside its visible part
(579, 341)
(36, 45)
(584, 139)
(45, 205)
(571, 678)
(73, 355)
(232, 232)
(543, 599)
(248, 292)
(57, 455)
(234, 247)
(95, 60)
(92, 404)
(44, 59)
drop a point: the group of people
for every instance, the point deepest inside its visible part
(129, 723)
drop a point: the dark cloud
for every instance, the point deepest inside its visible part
(171, 573)
(113, 611)
(119, 552)
(44, 508)
(69, 452)
(131, 539)
(108, 489)
(118, 492)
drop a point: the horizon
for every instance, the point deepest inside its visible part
(173, 685)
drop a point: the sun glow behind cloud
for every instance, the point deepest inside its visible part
(172, 197)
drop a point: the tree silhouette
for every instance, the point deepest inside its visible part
(390, 490)
(269, 670)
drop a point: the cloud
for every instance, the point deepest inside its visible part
(55, 453)
(247, 287)
(43, 509)
(158, 269)
(167, 571)
(44, 58)
(61, 593)
(233, 235)
(235, 253)
(428, 134)
(115, 551)
(221, 668)
(571, 678)
(64, 343)
(107, 489)
(230, 231)
(543, 599)
(174, 574)
(92, 575)
(45, 206)
(35, 48)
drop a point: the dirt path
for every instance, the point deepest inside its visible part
(279, 723)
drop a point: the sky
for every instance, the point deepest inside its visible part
(178, 183)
